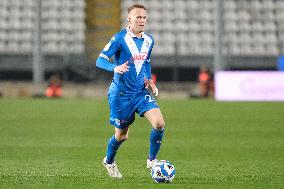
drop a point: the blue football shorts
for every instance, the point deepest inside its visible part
(124, 106)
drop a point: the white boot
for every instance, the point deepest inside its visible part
(112, 169)
(150, 163)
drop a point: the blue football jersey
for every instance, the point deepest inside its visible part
(125, 46)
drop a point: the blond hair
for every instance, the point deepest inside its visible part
(140, 6)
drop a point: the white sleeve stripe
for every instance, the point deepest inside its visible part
(104, 56)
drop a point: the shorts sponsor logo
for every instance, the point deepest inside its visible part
(118, 122)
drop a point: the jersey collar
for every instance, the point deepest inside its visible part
(132, 34)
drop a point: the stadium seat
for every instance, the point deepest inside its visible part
(269, 26)
(167, 5)
(268, 5)
(183, 37)
(192, 5)
(183, 49)
(2, 46)
(12, 46)
(245, 49)
(167, 14)
(25, 47)
(235, 49)
(245, 26)
(256, 4)
(257, 26)
(244, 37)
(230, 5)
(230, 15)
(193, 25)
(231, 26)
(180, 4)
(166, 26)
(3, 12)
(207, 37)
(180, 14)
(271, 49)
(181, 26)
(206, 26)
(243, 15)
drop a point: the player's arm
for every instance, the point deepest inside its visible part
(103, 60)
(104, 63)
(150, 83)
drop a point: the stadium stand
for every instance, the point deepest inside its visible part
(74, 31)
(252, 27)
(62, 26)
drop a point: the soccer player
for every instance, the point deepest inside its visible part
(128, 93)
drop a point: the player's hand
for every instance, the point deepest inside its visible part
(150, 83)
(122, 68)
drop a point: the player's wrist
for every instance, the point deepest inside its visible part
(116, 69)
(150, 80)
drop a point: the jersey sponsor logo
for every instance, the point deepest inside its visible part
(140, 56)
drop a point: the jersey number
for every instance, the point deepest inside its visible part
(150, 99)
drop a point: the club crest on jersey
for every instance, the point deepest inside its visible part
(140, 56)
(147, 44)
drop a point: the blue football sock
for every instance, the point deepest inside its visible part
(112, 148)
(155, 142)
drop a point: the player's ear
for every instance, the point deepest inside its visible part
(128, 19)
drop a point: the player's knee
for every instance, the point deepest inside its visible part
(160, 125)
(122, 138)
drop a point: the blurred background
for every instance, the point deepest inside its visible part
(43, 38)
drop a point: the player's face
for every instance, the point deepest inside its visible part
(137, 20)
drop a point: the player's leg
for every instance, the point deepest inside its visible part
(114, 143)
(120, 118)
(122, 115)
(156, 119)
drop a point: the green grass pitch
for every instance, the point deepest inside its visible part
(61, 143)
